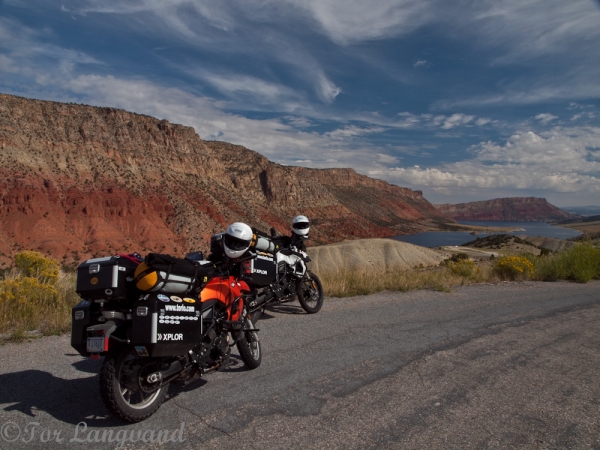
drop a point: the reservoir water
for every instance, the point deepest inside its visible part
(439, 238)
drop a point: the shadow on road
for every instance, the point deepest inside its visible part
(75, 400)
(285, 308)
(70, 401)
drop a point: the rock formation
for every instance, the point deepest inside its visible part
(515, 209)
(77, 181)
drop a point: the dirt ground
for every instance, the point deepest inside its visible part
(379, 254)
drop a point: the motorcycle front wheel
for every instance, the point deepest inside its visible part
(124, 386)
(310, 293)
(249, 347)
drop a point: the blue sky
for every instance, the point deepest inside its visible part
(465, 100)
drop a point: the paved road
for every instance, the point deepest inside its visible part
(509, 365)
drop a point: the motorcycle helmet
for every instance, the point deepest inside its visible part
(300, 225)
(237, 239)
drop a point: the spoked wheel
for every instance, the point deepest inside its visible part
(310, 293)
(126, 388)
(249, 347)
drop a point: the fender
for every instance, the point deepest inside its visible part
(226, 290)
(104, 330)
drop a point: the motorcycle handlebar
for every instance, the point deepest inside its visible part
(246, 258)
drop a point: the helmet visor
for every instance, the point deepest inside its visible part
(301, 225)
(235, 244)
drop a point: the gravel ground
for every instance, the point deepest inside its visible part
(512, 365)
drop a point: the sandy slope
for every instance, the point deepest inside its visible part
(372, 253)
(556, 245)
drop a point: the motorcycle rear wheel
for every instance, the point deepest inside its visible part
(249, 347)
(310, 293)
(120, 386)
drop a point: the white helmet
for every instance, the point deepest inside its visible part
(237, 239)
(300, 225)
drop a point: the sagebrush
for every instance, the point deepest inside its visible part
(36, 295)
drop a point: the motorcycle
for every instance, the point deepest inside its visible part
(181, 326)
(276, 273)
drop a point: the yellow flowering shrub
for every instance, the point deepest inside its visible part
(35, 295)
(34, 264)
(514, 268)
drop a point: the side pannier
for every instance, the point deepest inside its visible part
(107, 278)
(166, 273)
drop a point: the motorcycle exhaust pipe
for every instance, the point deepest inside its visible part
(173, 369)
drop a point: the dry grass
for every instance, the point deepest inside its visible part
(580, 263)
(345, 283)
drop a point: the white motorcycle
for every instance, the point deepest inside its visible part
(276, 274)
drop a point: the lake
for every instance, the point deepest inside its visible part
(439, 238)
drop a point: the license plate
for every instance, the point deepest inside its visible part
(95, 344)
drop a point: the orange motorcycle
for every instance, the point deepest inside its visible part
(158, 321)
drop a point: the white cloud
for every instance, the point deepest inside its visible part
(352, 131)
(420, 63)
(260, 91)
(350, 21)
(444, 122)
(546, 118)
(328, 91)
(456, 120)
(561, 160)
(387, 159)
(297, 122)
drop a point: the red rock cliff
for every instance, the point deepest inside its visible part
(517, 209)
(77, 180)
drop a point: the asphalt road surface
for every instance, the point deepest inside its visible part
(489, 366)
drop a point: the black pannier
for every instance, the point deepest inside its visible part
(166, 273)
(165, 325)
(261, 271)
(106, 278)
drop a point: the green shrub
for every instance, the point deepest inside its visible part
(580, 263)
(456, 257)
(464, 268)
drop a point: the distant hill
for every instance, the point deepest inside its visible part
(583, 210)
(77, 181)
(514, 209)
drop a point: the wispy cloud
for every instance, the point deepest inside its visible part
(350, 21)
(409, 120)
(546, 118)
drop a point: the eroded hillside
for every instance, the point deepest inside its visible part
(78, 180)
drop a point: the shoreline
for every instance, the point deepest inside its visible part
(584, 227)
(461, 227)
